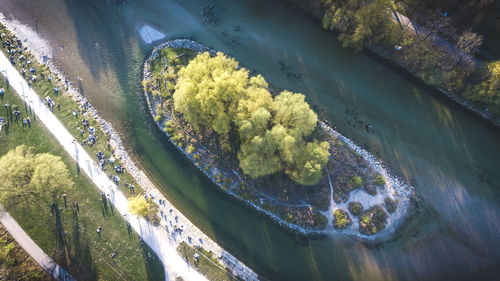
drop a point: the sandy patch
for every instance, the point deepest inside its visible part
(150, 34)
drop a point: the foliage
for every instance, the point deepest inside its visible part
(379, 180)
(308, 164)
(390, 205)
(27, 176)
(190, 149)
(372, 220)
(215, 93)
(208, 90)
(356, 182)
(358, 21)
(140, 206)
(341, 219)
(491, 86)
(158, 118)
(355, 208)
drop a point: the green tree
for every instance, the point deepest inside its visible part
(258, 156)
(254, 116)
(27, 176)
(293, 112)
(308, 164)
(208, 90)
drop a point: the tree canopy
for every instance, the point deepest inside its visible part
(140, 206)
(208, 90)
(214, 92)
(27, 176)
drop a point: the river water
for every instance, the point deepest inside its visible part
(449, 156)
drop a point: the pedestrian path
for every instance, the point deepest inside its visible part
(156, 237)
(32, 248)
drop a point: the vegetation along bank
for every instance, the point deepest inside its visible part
(437, 42)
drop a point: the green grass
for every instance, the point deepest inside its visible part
(86, 254)
(208, 265)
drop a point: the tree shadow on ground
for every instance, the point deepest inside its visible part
(83, 266)
(154, 267)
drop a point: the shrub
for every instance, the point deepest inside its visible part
(158, 118)
(356, 182)
(320, 220)
(379, 180)
(355, 208)
(190, 149)
(341, 219)
(390, 205)
(168, 130)
(372, 220)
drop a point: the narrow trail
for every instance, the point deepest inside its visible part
(23, 239)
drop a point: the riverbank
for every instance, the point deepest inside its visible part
(82, 245)
(188, 232)
(395, 58)
(306, 211)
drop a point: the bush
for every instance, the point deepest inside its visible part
(341, 219)
(355, 208)
(190, 149)
(372, 220)
(390, 205)
(356, 182)
(379, 180)
(320, 220)
(158, 118)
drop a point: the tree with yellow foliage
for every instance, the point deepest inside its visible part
(208, 90)
(26, 176)
(140, 206)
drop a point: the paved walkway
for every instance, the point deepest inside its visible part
(32, 248)
(156, 237)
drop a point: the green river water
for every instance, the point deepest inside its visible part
(449, 156)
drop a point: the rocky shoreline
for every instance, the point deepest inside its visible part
(237, 268)
(466, 105)
(228, 179)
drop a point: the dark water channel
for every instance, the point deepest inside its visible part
(449, 156)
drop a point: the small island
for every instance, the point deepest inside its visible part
(268, 148)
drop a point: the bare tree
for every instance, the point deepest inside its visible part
(469, 41)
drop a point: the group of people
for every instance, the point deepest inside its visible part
(15, 112)
(90, 129)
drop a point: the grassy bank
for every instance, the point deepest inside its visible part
(206, 264)
(69, 236)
